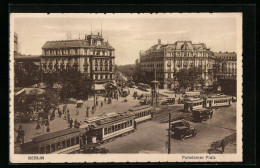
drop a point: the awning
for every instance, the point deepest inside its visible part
(80, 102)
(99, 87)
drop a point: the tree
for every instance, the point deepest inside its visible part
(26, 74)
(26, 104)
(190, 77)
(74, 84)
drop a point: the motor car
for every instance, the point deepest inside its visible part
(169, 101)
(182, 129)
(200, 115)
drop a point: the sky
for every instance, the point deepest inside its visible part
(128, 34)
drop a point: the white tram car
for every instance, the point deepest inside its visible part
(218, 101)
(193, 104)
(107, 128)
(142, 113)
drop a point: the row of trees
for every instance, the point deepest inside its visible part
(190, 78)
(26, 74)
(72, 82)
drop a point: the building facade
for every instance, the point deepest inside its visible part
(92, 56)
(226, 64)
(162, 62)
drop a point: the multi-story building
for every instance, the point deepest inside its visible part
(162, 62)
(226, 64)
(93, 56)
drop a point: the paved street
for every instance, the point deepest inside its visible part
(151, 136)
(59, 123)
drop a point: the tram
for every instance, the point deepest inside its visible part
(60, 142)
(192, 94)
(218, 101)
(142, 113)
(193, 104)
(107, 128)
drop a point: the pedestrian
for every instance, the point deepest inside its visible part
(96, 103)
(101, 104)
(48, 129)
(87, 111)
(59, 112)
(75, 123)
(93, 108)
(105, 99)
(68, 115)
(223, 145)
(71, 122)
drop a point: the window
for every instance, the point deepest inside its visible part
(72, 141)
(77, 140)
(105, 131)
(58, 146)
(42, 150)
(48, 149)
(113, 128)
(130, 122)
(63, 144)
(52, 147)
(68, 143)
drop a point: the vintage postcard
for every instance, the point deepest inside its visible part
(123, 87)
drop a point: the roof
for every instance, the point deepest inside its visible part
(140, 108)
(194, 100)
(220, 54)
(27, 57)
(111, 120)
(200, 110)
(73, 44)
(54, 134)
(219, 96)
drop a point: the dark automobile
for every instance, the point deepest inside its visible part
(182, 129)
(202, 114)
(168, 101)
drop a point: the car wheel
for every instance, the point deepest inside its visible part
(194, 133)
(181, 137)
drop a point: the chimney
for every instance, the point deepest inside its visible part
(159, 41)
